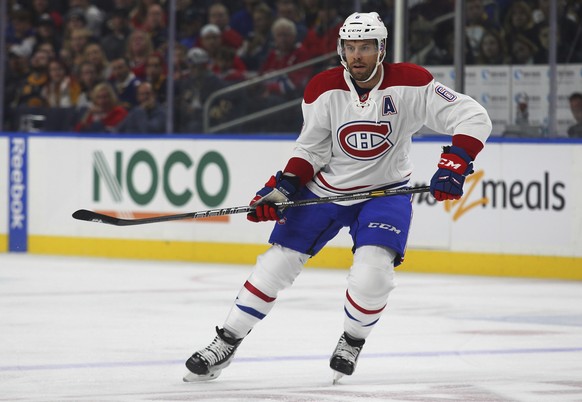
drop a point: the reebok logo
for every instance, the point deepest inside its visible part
(17, 185)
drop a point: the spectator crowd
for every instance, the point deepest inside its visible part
(105, 61)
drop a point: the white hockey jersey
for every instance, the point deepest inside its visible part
(359, 144)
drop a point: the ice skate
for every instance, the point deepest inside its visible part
(345, 356)
(207, 364)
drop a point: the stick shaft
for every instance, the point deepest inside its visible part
(86, 215)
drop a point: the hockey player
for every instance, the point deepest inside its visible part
(356, 136)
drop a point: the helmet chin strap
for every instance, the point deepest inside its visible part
(372, 74)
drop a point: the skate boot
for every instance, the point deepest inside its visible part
(345, 356)
(207, 364)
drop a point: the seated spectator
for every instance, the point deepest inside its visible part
(211, 42)
(181, 65)
(93, 15)
(210, 39)
(322, 37)
(568, 30)
(148, 117)
(88, 79)
(423, 49)
(139, 48)
(94, 54)
(195, 90)
(30, 91)
(40, 8)
(188, 22)
(575, 131)
(522, 51)
(105, 114)
(477, 22)
(124, 83)
(156, 76)
(138, 14)
(564, 52)
(445, 40)
(155, 25)
(20, 35)
(227, 65)
(286, 52)
(257, 44)
(74, 19)
(61, 90)
(242, 20)
(80, 38)
(48, 48)
(218, 15)
(115, 42)
(492, 49)
(46, 32)
(567, 25)
(66, 56)
(519, 21)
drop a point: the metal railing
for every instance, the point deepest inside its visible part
(249, 83)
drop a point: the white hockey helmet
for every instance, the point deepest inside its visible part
(361, 26)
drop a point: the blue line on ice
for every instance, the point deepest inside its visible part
(96, 365)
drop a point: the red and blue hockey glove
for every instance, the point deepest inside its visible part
(279, 188)
(447, 182)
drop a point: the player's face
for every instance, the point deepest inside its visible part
(361, 57)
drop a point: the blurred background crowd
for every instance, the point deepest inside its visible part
(103, 65)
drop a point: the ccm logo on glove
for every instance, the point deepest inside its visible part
(447, 182)
(449, 164)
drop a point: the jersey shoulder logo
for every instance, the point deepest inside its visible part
(365, 140)
(444, 93)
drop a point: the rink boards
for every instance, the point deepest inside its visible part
(521, 215)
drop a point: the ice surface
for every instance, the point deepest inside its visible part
(74, 329)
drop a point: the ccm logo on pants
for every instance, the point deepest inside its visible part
(384, 226)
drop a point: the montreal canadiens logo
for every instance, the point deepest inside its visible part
(365, 140)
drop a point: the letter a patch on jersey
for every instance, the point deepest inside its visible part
(388, 107)
(364, 140)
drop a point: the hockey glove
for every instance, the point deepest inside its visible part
(279, 188)
(447, 182)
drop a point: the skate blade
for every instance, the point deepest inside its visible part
(191, 377)
(336, 377)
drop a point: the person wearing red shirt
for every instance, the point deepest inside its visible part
(286, 52)
(211, 42)
(218, 15)
(105, 114)
(322, 37)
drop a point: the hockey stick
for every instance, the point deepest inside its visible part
(85, 215)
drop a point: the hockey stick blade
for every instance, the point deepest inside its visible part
(91, 216)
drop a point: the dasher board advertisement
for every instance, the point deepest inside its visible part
(524, 198)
